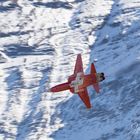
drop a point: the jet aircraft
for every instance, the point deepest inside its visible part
(78, 82)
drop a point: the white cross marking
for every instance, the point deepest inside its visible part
(77, 82)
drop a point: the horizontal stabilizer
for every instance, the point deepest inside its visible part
(93, 73)
(96, 87)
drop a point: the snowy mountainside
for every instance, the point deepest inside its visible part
(115, 113)
(39, 44)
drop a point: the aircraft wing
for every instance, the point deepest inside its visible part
(85, 98)
(78, 65)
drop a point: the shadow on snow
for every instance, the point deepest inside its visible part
(54, 5)
(15, 50)
(34, 118)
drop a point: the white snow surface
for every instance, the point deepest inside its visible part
(39, 42)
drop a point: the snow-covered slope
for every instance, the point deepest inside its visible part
(39, 43)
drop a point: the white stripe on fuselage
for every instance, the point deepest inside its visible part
(77, 82)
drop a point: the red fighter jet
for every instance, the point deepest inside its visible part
(78, 82)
